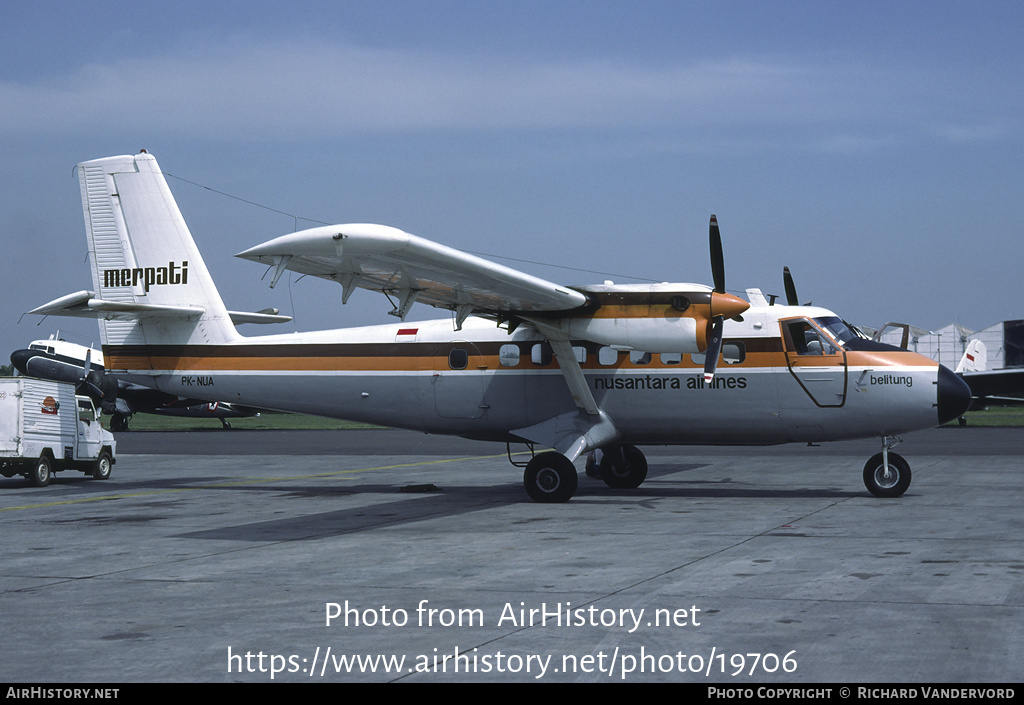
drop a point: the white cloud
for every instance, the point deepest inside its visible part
(299, 89)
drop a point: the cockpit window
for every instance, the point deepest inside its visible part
(808, 340)
(837, 328)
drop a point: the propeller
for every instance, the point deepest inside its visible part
(787, 279)
(96, 385)
(723, 305)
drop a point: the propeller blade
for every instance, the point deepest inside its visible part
(714, 349)
(723, 305)
(717, 259)
(787, 278)
(101, 388)
(86, 387)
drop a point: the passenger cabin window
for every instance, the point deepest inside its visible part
(508, 355)
(671, 358)
(458, 359)
(733, 353)
(638, 357)
(607, 356)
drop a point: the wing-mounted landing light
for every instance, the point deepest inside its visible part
(723, 305)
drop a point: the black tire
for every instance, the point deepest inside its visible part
(550, 477)
(119, 422)
(104, 464)
(892, 486)
(40, 473)
(623, 467)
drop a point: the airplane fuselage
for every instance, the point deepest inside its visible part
(482, 382)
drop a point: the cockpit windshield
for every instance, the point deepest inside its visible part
(837, 328)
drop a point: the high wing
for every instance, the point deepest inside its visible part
(997, 385)
(382, 258)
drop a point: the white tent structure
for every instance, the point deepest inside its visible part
(1004, 342)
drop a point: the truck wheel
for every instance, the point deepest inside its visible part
(103, 466)
(41, 472)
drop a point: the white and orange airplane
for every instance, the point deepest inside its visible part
(580, 370)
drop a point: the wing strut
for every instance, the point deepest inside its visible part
(573, 433)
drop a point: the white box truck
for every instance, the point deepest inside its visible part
(45, 427)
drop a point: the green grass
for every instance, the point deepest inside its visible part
(267, 420)
(995, 416)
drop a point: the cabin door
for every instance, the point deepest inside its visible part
(816, 362)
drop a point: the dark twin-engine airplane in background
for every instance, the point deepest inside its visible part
(64, 361)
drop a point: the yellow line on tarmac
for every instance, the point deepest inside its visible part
(236, 483)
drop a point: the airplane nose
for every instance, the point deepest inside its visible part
(954, 396)
(19, 358)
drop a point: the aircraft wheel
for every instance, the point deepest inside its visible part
(892, 485)
(41, 472)
(550, 477)
(103, 466)
(119, 422)
(623, 467)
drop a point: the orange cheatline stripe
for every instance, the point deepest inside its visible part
(439, 362)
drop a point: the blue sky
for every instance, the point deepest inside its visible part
(873, 147)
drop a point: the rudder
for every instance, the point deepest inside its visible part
(145, 265)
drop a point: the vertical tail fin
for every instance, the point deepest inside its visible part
(975, 358)
(143, 257)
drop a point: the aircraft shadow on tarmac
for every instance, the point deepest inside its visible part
(456, 500)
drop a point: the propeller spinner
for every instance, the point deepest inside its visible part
(723, 305)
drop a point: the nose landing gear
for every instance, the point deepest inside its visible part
(887, 474)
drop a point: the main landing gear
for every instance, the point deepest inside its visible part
(621, 467)
(887, 474)
(551, 477)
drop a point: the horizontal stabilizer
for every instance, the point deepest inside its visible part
(239, 317)
(84, 304)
